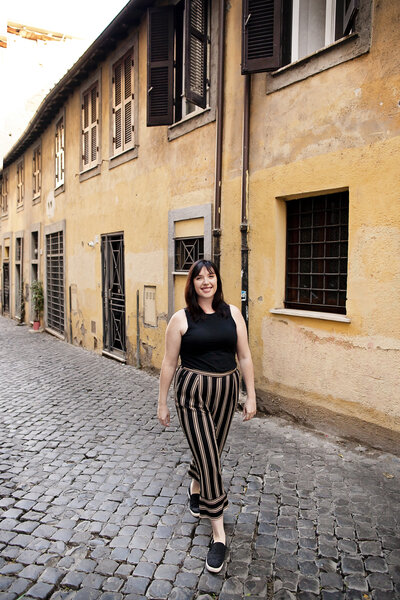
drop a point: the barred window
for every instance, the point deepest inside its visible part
(316, 258)
(187, 251)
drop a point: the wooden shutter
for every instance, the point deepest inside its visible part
(117, 107)
(350, 11)
(160, 65)
(94, 94)
(85, 130)
(196, 51)
(128, 101)
(262, 35)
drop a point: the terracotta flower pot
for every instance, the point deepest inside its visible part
(36, 325)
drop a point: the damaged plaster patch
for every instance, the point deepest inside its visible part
(335, 368)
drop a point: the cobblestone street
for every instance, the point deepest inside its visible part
(93, 497)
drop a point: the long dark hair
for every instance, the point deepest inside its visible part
(192, 303)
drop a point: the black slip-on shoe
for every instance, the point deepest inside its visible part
(194, 500)
(216, 557)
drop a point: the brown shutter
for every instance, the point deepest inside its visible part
(350, 11)
(160, 65)
(262, 35)
(196, 51)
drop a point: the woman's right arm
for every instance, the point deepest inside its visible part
(173, 336)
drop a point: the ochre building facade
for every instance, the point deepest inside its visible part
(265, 135)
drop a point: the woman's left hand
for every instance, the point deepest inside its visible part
(249, 409)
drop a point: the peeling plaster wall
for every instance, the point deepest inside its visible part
(323, 367)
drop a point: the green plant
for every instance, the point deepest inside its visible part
(37, 298)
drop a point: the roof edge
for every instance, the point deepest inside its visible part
(103, 45)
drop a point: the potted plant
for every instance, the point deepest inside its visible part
(37, 302)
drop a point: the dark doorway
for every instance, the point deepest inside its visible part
(113, 293)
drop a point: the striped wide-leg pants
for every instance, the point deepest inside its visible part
(205, 403)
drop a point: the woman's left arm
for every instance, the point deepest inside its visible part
(246, 363)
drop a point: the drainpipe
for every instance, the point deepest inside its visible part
(244, 228)
(138, 365)
(218, 149)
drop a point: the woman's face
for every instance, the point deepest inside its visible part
(205, 283)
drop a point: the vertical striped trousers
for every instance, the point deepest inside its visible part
(205, 403)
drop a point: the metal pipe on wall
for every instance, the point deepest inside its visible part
(218, 146)
(137, 332)
(244, 227)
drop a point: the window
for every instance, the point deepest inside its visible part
(4, 193)
(187, 251)
(178, 78)
(278, 32)
(90, 124)
(36, 172)
(59, 152)
(122, 104)
(20, 183)
(316, 258)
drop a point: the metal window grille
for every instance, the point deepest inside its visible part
(187, 251)
(55, 281)
(316, 258)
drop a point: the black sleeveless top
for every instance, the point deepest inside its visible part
(209, 344)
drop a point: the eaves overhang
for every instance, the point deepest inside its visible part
(107, 41)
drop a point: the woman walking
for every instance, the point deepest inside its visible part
(207, 335)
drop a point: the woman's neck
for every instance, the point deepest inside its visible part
(206, 305)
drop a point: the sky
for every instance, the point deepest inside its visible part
(32, 68)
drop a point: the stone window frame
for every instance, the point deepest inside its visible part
(184, 214)
(280, 250)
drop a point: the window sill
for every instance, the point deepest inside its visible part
(123, 157)
(4, 216)
(310, 314)
(89, 173)
(345, 49)
(20, 207)
(59, 190)
(191, 122)
(36, 199)
(56, 334)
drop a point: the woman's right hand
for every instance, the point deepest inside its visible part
(163, 415)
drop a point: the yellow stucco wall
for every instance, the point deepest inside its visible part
(336, 130)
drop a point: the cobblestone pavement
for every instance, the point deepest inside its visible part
(93, 494)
